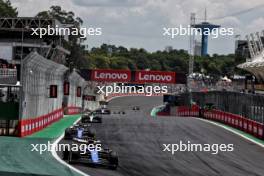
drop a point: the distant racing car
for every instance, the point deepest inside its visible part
(104, 111)
(136, 108)
(91, 118)
(122, 112)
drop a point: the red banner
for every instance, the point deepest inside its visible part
(155, 77)
(111, 75)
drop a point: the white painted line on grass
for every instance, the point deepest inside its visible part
(55, 155)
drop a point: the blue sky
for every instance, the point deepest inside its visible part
(139, 23)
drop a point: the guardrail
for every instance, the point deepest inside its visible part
(8, 76)
(6, 72)
(236, 121)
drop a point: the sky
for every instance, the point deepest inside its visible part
(140, 23)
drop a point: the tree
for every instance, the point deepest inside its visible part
(7, 10)
(76, 58)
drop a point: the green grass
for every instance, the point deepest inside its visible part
(56, 129)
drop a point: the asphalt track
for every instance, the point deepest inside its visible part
(138, 139)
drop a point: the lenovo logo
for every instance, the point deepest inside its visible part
(150, 77)
(110, 75)
(155, 77)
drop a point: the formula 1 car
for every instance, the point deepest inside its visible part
(104, 111)
(79, 131)
(122, 112)
(91, 118)
(102, 157)
(136, 108)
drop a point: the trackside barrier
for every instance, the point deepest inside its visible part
(32, 125)
(163, 113)
(185, 111)
(236, 121)
(71, 110)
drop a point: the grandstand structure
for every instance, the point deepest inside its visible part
(255, 63)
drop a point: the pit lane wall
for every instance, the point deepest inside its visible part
(49, 91)
(237, 121)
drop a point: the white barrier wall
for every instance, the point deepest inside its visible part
(75, 81)
(89, 89)
(38, 74)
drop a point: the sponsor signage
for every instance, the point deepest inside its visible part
(154, 77)
(111, 75)
(79, 92)
(89, 97)
(66, 88)
(53, 91)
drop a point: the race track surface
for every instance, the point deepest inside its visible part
(138, 138)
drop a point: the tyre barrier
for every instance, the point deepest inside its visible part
(31, 125)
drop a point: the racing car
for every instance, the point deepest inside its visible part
(104, 111)
(136, 108)
(102, 157)
(91, 118)
(79, 131)
(122, 112)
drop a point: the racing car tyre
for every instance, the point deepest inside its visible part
(73, 156)
(68, 134)
(65, 155)
(113, 160)
(91, 133)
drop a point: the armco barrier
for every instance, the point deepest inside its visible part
(236, 121)
(32, 125)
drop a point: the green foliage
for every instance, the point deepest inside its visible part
(112, 57)
(62, 16)
(7, 10)
(76, 58)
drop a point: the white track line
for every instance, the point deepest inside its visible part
(55, 155)
(233, 131)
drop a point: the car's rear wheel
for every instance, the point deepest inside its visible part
(73, 156)
(113, 160)
(68, 134)
(65, 155)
